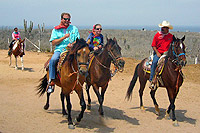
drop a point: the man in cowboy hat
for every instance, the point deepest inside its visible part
(160, 44)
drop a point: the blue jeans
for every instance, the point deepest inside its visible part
(52, 65)
(153, 66)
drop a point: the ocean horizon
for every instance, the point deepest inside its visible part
(151, 28)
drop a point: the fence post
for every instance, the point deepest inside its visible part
(50, 47)
(196, 60)
(39, 46)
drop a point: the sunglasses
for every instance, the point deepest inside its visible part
(68, 19)
(98, 28)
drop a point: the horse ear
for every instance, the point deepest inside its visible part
(183, 38)
(114, 39)
(77, 39)
(107, 38)
(174, 38)
(23, 41)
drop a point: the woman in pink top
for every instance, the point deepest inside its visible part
(15, 36)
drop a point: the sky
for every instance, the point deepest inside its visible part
(105, 12)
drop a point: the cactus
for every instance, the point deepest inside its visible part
(28, 30)
(25, 26)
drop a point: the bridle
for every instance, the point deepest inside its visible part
(176, 55)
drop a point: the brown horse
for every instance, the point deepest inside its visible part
(72, 77)
(18, 50)
(99, 71)
(171, 77)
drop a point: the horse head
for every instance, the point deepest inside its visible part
(81, 51)
(114, 50)
(178, 51)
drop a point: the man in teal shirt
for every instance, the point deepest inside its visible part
(64, 35)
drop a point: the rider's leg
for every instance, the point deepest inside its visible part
(52, 71)
(153, 68)
(10, 47)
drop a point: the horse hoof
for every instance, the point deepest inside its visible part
(167, 116)
(64, 113)
(71, 126)
(158, 113)
(46, 107)
(89, 107)
(157, 110)
(76, 122)
(65, 116)
(142, 109)
(175, 123)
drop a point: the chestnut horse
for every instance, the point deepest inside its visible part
(18, 50)
(171, 77)
(72, 77)
(99, 71)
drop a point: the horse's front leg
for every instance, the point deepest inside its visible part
(153, 92)
(62, 97)
(10, 60)
(96, 90)
(16, 67)
(46, 106)
(22, 62)
(88, 94)
(172, 97)
(69, 108)
(103, 90)
(142, 87)
(83, 105)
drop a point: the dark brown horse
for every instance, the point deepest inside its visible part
(72, 77)
(99, 71)
(171, 77)
(18, 50)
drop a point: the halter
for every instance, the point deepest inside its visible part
(177, 62)
(114, 59)
(77, 72)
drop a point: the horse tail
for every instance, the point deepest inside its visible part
(132, 83)
(41, 88)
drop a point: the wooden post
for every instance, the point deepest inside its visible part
(196, 60)
(50, 47)
(39, 46)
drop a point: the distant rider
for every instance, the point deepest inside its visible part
(15, 36)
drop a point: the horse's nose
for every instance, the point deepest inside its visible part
(83, 72)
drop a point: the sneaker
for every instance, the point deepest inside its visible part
(50, 87)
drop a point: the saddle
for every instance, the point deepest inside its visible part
(148, 62)
(159, 69)
(63, 58)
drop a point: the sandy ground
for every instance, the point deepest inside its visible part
(21, 110)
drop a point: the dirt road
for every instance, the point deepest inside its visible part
(21, 110)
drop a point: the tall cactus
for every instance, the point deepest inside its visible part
(25, 26)
(28, 30)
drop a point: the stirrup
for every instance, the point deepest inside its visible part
(50, 87)
(152, 86)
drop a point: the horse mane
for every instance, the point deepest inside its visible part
(80, 43)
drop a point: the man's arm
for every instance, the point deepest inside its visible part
(157, 53)
(57, 41)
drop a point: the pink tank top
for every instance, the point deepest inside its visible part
(16, 35)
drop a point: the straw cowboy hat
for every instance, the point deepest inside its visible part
(166, 24)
